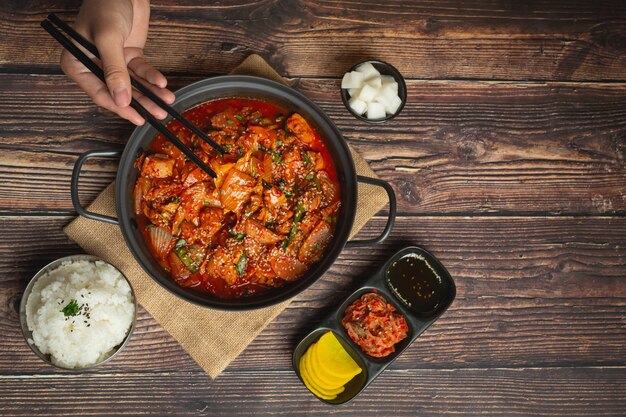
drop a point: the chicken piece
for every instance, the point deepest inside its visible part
(226, 121)
(329, 190)
(191, 202)
(303, 228)
(156, 217)
(255, 203)
(256, 231)
(218, 137)
(286, 265)
(236, 190)
(301, 129)
(254, 135)
(211, 221)
(313, 246)
(161, 192)
(158, 166)
(283, 219)
(221, 264)
(331, 211)
(317, 160)
(292, 166)
(273, 197)
(261, 271)
(311, 199)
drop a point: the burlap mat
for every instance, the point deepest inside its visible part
(213, 338)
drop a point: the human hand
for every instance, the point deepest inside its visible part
(118, 28)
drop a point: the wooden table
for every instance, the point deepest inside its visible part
(508, 162)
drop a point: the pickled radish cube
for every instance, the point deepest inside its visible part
(382, 100)
(387, 79)
(353, 91)
(388, 92)
(395, 104)
(358, 106)
(367, 93)
(393, 85)
(368, 71)
(375, 82)
(375, 111)
(352, 79)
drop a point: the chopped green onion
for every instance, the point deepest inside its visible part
(206, 203)
(309, 176)
(306, 157)
(239, 117)
(299, 212)
(180, 249)
(279, 143)
(294, 227)
(242, 263)
(238, 236)
(230, 121)
(71, 309)
(319, 246)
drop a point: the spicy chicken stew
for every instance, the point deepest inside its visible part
(265, 220)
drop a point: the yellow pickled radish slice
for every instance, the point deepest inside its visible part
(307, 382)
(304, 368)
(333, 358)
(326, 381)
(324, 377)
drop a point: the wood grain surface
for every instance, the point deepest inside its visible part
(509, 163)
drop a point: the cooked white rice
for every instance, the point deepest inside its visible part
(106, 312)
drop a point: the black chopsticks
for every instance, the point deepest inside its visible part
(94, 68)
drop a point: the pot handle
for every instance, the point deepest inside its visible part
(392, 212)
(74, 184)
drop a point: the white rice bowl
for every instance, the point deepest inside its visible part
(106, 310)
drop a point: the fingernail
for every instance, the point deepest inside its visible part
(120, 96)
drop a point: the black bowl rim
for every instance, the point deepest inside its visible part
(402, 92)
(293, 288)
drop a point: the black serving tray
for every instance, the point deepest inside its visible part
(372, 366)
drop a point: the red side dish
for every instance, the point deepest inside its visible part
(267, 217)
(371, 323)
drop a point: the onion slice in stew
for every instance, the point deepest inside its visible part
(161, 240)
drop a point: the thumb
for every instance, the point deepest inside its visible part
(111, 50)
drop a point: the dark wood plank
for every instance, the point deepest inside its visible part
(458, 147)
(551, 40)
(552, 293)
(499, 392)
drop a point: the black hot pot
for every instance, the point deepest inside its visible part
(222, 87)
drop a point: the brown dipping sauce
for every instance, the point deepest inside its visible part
(417, 284)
